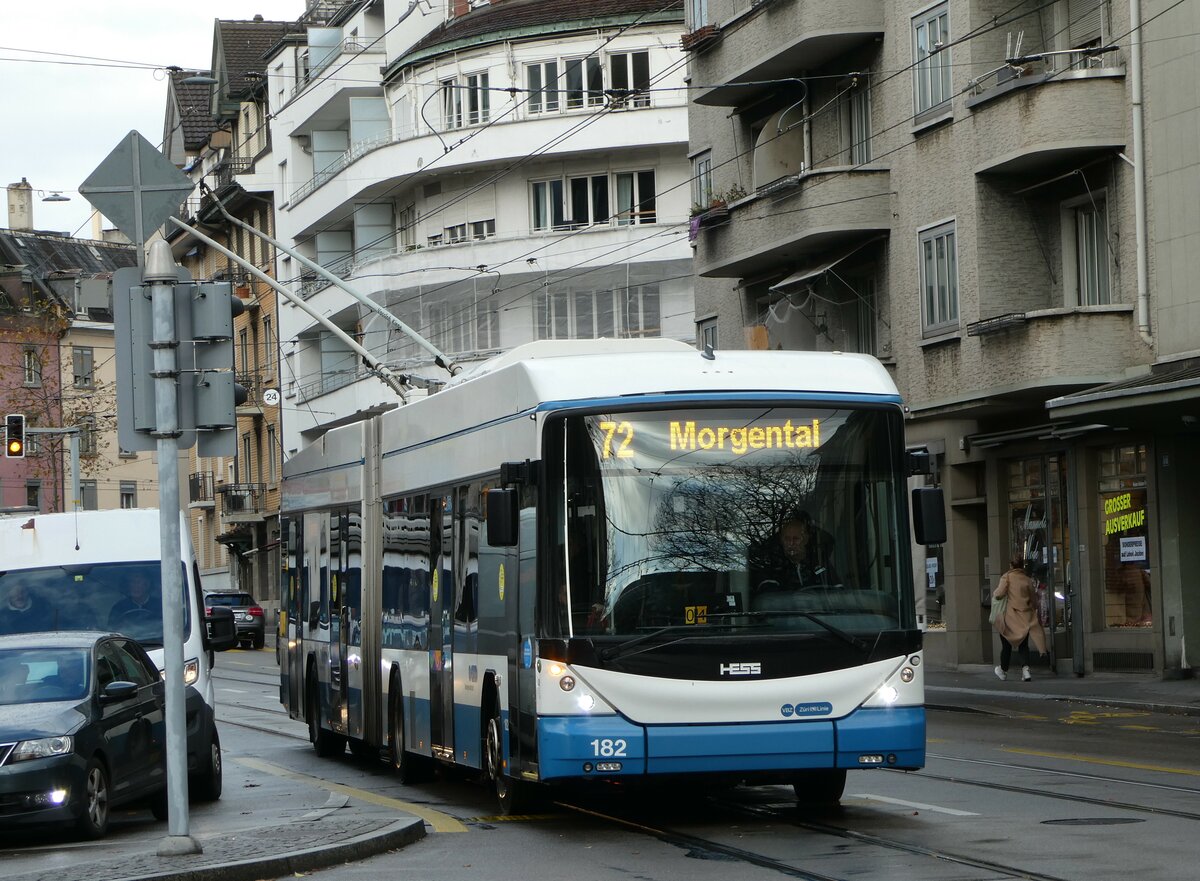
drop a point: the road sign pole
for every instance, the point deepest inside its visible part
(161, 276)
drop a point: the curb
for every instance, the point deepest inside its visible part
(396, 835)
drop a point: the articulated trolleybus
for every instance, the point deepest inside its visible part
(573, 565)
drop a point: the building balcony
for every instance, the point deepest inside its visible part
(1047, 122)
(795, 219)
(777, 40)
(242, 502)
(200, 490)
(322, 97)
(375, 165)
(254, 384)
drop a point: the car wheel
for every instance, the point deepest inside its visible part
(515, 796)
(410, 768)
(259, 640)
(93, 822)
(324, 741)
(820, 787)
(207, 783)
(159, 806)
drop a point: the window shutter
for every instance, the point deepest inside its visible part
(1085, 20)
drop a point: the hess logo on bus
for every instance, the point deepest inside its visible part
(742, 668)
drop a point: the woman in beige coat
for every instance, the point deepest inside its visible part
(1019, 623)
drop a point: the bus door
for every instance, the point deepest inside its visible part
(441, 627)
(337, 673)
(350, 615)
(293, 591)
(468, 524)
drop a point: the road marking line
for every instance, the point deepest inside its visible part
(867, 796)
(1115, 763)
(439, 821)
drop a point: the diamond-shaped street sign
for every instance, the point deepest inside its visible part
(136, 187)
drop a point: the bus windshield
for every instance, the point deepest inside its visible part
(711, 521)
(124, 597)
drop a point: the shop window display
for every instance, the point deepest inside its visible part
(1125, 537)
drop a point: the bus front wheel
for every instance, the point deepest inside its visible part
(515, 796)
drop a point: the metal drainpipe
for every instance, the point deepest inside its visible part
(1139, 172)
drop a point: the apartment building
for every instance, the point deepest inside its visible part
(488, 173)
(217, 132)
(997, 200)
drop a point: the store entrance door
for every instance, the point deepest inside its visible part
(1038, 529)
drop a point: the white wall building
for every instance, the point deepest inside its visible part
(492, 175)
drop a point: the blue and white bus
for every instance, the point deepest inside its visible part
(567, 567)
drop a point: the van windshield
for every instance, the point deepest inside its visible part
(124, 597)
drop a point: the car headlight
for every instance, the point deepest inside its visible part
(43, 748)
(191, 671)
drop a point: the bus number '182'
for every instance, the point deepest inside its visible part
(608, 748)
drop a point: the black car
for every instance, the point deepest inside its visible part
(247, 615)
(82, 730)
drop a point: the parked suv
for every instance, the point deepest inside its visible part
(247, 614)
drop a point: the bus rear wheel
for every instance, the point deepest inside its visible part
(515, 796)
(324, 741)
(823, 786)
(409, 767)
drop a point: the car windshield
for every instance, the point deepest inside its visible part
(709, 522)
(124, 597)
(41, 675)
(229, 599)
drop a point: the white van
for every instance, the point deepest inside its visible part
(101, 570)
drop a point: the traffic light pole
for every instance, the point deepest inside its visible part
(161, 276)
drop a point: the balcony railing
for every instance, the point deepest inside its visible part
(357, 150)
(331, 381)
(228, 169)
(310, 282)
(242, 498)
(200, 487)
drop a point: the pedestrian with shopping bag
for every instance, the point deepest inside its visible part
(1014, 616)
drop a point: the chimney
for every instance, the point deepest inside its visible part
(20, 206)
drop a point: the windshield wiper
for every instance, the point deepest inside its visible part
(814, 617)
(618, 651)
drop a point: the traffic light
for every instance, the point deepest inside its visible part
(14, 440)
(216, 395)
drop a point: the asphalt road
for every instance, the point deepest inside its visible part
(1013, 789)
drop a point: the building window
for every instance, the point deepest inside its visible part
(467, 102)
(625, 313)
(636, 201)
(702, 191)
(81, 359)
(87, 495)
(1092, 253)
(483, 229)
(128, 494)
(585, 82)
(697, 14)
(31, 367)
(126, 454)
(270, 351)
(272, 446)
(247, 463)
(630, 72)
(464, 327)
(588, 198)
(865, 315)
(87, 436)
(406, 225)
(542, 81)
(939, 279)
(931, 62)
(1125, 537)
(856, 123)
(706, 333)
(549, 206)
(33, 494)
(455, 234)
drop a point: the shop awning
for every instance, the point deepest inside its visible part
(819, 268)
(1167, 388)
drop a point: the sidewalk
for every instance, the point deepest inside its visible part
(974, 686)
(276, 841)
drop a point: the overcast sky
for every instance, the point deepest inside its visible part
(62, 115)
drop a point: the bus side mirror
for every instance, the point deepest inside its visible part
(929, 515)
(502, 526)
(222, 632)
